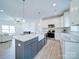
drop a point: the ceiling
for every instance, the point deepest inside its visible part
(33, 9)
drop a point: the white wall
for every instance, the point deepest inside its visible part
(25, 26)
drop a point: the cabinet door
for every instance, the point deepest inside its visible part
(27, 52)
(74, 12)
(41, 43)
(34, 48)
(71, 50)
(19, 50)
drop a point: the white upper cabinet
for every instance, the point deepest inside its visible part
(58, 22)
(66, 19)
(74, 12)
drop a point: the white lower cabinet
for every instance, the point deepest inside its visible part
(71, 50)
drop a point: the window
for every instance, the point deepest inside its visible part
(12, 29)
(8, 29)
(5, 29)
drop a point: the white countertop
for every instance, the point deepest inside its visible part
(72, 36)
(26, 37)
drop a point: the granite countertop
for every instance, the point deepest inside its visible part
(26, 37)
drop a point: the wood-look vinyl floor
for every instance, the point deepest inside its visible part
(52, 50)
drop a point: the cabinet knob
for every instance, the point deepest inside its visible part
(19, 44)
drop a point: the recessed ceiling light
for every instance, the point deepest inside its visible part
(1, 10)
(54, 4)
(23, 20)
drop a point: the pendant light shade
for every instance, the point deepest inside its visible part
(23, 10)
(23, 0)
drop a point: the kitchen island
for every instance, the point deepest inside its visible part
(27, 46)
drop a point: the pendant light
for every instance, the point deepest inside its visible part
(23, 10)
(19, 20)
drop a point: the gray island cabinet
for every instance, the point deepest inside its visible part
(27, 46)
